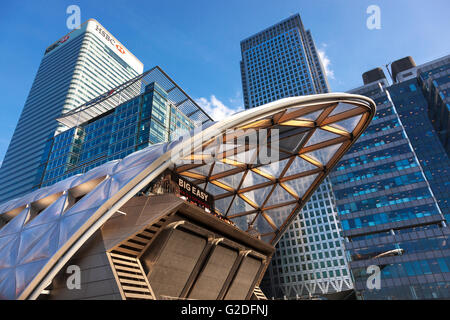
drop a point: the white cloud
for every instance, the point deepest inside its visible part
(325, 62)
(215, 108)
(237, 99)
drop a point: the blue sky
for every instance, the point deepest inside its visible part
(197, 41)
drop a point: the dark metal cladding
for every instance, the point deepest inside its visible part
(373, 75)
(402, 65)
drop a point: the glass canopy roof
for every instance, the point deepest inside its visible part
(305, 137)
(266, 197)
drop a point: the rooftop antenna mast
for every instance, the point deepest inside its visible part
(390, 74)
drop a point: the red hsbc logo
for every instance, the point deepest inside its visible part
(119, 47)
(64, 39)
(57, 43)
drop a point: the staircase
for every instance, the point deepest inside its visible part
(124, 260)
(132, 281)
(137, 244)
(258, 294)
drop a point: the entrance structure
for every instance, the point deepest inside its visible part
(130, 242)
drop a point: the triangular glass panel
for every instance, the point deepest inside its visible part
(284, 131)
(290, 110)
(8, 253)
(233, 180)
(188, 178)
(223, 147)
(30, 237)
(239, 206)
(211, 148)
(4, 273)
(201, 185)
(70, 224)
(40, 194)
(342, 107)
(301, 185)
(26, 272)
(44, 248)
(274, 169)
(253, 179)
(292, 144)
(258, 196)
(243, 222)
(16, 224)
(299, 165)
(223, 204)
(120, 179)
(93, 199)
(5, 240)
(261, 225)
(215, 190)
(279, 195)
(324, 155)
(220, 167)
(247, 157)
(267, 238)
(202, 170)
(311, 116)
(182, 162)
(49, 214)
(319, 136)
(348, 124)
(8, 284)
(279, 215)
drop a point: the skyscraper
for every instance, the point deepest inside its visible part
(392, 190)
(281, 61)
(81, 65)
(422, 100)
(278, 62)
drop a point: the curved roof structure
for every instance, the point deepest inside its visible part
(308, 135)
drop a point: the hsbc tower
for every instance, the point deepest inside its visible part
(80, 66)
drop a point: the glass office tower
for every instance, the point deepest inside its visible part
(422, 99)
(81, 65)
(391, 192)
(281, 61)
(278, 62)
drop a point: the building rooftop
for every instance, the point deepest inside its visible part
(133, 88)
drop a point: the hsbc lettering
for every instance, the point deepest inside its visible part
(109, 39)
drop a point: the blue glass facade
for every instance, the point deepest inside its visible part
(279, 62)
(413, 109)
(434, 78)
(144, 120)
(72, 71)
(392, 191)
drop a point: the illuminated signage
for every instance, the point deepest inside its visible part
(193, 193)
(170, 182)
(192, 189)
